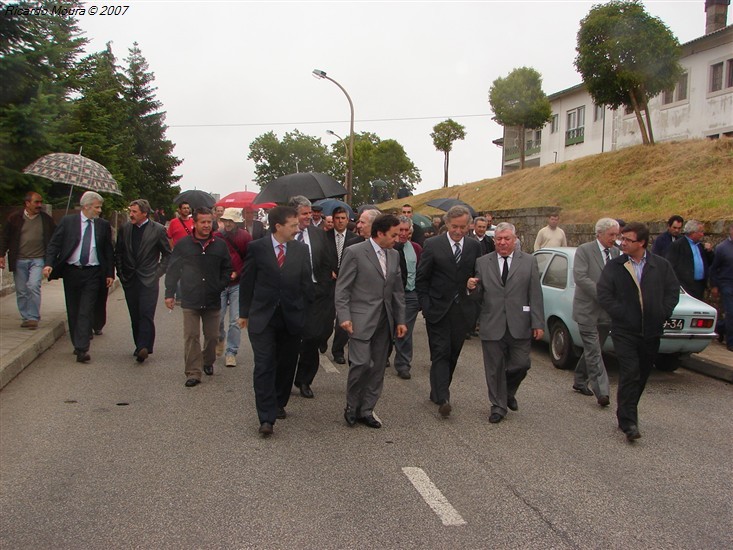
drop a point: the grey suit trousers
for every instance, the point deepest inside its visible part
(367, 362)
(590, 368)
(506, 363)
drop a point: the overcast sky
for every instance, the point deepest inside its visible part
(229, 71)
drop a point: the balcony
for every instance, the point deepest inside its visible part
(574, 136)
(531, 148)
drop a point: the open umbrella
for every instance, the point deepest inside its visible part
(447, 204)
(330, 204)
(421, 220)
(243, 199)
(196, 199)
(312, 185)
(74, 170)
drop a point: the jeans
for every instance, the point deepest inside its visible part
(403, 346)
(28, 273)
(230, 303)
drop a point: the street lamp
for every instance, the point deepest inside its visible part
(346, 148)
(317, 73)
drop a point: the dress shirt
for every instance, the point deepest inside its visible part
(638, 267)
(699, 273)
(603, 252)
(502, 260)
(75, 258)
(276, 243)
(453, 243)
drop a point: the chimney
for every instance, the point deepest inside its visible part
(716, 15)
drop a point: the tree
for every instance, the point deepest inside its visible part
(626, 57)
(444, 134)
(518, 100)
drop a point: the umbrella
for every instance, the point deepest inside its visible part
(447, 204)
(74, 170)
(421, 220)
(196, 199)
(312, 185)
(379, 183)
(329, 205)
(243, 199)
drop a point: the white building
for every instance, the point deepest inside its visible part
(700, 106)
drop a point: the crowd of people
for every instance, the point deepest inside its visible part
(300, 279)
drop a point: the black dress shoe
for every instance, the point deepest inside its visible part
(142, 355)
(82, 357)
(495, 418)
(323, 348)
(632, 433)
(98, 332)
(370, 421)
(208, 369)
(349, 416)
(281, 413)
(404, 374)
(582, 389)
(266, 429)
(306, 391)
(445, 409)
(191, 382)
(339, 359)
(604, 401)
(511, 402)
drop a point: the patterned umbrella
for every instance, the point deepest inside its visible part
(74, 170)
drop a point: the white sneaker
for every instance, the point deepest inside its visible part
(231, 361)
(220, 348)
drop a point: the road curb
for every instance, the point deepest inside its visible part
(24, 355)
(708, 368)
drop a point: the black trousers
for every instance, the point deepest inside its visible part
(100, 307)
(446, 338)
(636, 356)
(319, 321)
(81, 288)
(141, 303)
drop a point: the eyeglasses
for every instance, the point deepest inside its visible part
(627, 240)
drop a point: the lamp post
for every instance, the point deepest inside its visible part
(346, 148)
(317, 73)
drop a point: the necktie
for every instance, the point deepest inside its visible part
(607, 252)
(505, 270)
(300, 236)
(86, 244)
(339, 247)
(280, 255)
(382, 262)
(457, 253)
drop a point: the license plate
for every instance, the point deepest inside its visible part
(674, 324)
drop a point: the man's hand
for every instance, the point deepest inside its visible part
(401, 331)
(170, 303)
(242, 322)
(233, 276)
(347, 326)
(2, 262)
(110, 280)
(472, 283)
(47, 271)
(537, 333)
(714, 292)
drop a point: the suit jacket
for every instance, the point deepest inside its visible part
(258, 230)
(418, 234)
(487, 244)
(441, 282)
(587, 269)
(265, 286)
(661, 244)
(151, 260)
(362, 290)
(516, 307)
(324, 260)
(680, 256)
(331, 244)
(67, 237)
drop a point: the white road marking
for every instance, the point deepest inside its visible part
(433, 497)
(327, 365)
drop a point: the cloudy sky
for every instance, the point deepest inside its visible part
(229, 71)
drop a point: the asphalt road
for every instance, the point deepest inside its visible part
(117, 455)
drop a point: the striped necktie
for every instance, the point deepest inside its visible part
(457, 253)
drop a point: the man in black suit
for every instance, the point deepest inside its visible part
(254, 226)
(81, 252)
(446, 264)
(274, 293)
(321, 314)
(691, 259)
(141, 256)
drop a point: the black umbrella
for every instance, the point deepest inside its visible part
(312, 185)
(329, 205)
(447, 204)
(196, 199)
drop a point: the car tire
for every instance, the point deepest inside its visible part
(667, 362)
(562, 351)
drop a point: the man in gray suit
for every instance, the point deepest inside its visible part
(507, 284)
(370, 307)
(593, 322)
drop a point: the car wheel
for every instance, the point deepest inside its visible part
(667, 362)
(562, 350)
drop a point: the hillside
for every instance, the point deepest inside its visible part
(690, 178)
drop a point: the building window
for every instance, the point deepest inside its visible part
(598, 112)
(716, 77)
(554, 123)
(729, 68)
(678, 93)
(575, 126)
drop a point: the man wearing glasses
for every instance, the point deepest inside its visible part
(639, 291)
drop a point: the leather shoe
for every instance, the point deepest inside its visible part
(82, 357)
(339, 359)
(604, 401)
(191, 382)
(511, 402)
(266, 429)
(495, 418)
(349, 416)
(445, 409)
(404, 374)
(323, 348)
(582, 389)
(281, 413)
(632, 433)
(370, 421)
(98, 332)
(142, 355)
(208, 369)
(306, 391)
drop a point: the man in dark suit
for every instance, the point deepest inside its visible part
(691, 259)
(370, 306)
(141, 256)
(507, 285)
(255, 227)
(480, 226)
(320, 316)
(81, 252)
(639, 291)
(662, 243)
(593, 322)
(274, 293)
(446, 264)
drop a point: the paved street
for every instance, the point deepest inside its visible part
(114, 454)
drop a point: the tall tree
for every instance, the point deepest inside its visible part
(444, 134)
(626, 57)
(518, 101)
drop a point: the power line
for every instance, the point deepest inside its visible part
(301, 123)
